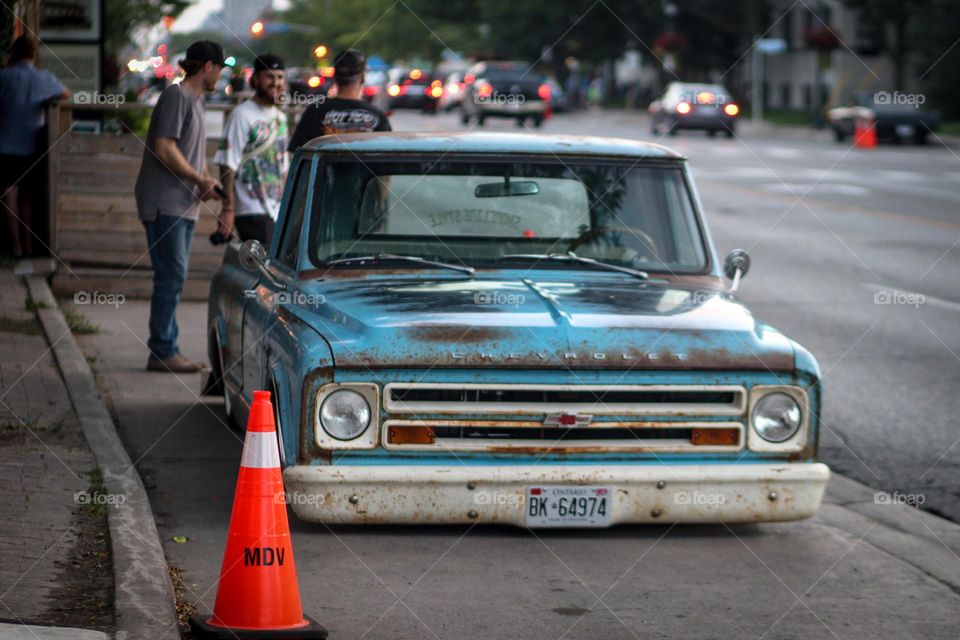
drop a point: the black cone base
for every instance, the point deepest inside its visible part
(201, 627)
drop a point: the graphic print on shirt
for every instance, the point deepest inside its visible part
(262, 165)
(350, 121)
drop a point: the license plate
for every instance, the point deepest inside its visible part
(566, 506)
(904, 130)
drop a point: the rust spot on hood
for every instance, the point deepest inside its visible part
(458, 334)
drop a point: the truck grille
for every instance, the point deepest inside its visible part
(520, 399)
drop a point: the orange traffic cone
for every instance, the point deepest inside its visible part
(258, 595)
(865, 133)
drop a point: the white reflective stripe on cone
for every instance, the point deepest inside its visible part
(260, 450)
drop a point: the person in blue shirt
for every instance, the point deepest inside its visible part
(24, 92)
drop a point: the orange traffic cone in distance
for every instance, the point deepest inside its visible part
(865, 133)
(258, 595)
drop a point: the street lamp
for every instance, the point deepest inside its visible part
(262, 27)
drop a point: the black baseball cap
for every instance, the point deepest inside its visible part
(348, 64)
(267, 61)
(206, 51)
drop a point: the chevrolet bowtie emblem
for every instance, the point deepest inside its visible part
(567, 420)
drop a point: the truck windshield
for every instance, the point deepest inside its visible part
(474, 213)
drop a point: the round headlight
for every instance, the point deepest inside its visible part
(776, 417)
(344, 414)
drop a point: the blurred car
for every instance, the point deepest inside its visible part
(895, 120)
(496, 89)
(411, 89)
(303, 81)
(453, 90)
(686, 105)
(374, 84)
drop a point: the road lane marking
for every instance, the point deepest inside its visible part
(783, 153)
(824, 187)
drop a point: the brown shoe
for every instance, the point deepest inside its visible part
(174, 364)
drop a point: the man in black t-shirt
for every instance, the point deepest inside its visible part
(347, 113)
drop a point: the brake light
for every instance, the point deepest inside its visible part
(393, 90)
(435, 91)
(485, 90)
(415, 74)
(314, 82)
(327, 72)
(684, 108)
(705, 97)
(469, 78)
(731, 109)
(544, 91)
(369, 91)
(453, 88)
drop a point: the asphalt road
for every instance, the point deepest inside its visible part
(876, 221)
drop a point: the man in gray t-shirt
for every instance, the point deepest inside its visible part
(171, 186)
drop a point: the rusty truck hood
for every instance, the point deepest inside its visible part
(537, 320)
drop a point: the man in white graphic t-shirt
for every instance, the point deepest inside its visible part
(253, 156)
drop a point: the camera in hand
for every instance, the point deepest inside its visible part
(217, 237)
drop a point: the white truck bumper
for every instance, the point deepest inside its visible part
(413, 494)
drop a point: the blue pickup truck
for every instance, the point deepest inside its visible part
(511, 328)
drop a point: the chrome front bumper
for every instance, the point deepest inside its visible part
(412, 494)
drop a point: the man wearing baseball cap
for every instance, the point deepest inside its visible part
(253, 155)
(347, 113)
(171, 187)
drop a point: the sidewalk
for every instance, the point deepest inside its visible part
(55, 565)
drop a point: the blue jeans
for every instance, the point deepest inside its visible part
(169, 240)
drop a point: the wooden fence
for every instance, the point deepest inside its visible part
(95, 233)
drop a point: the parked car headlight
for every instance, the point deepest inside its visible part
(776, 417)
(345, 414)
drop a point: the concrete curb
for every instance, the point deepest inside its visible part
(924, 540)
(144, 598)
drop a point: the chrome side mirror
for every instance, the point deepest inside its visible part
(253, 257)
(735, 266)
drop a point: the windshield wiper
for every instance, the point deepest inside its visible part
(393, 256)
(570, 255)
